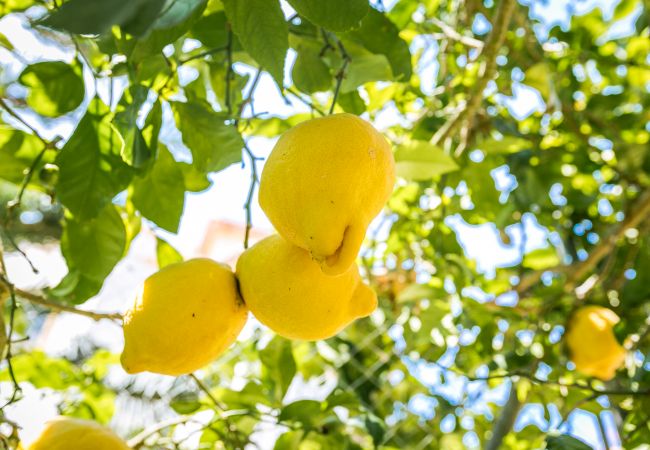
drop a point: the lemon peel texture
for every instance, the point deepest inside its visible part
(185, 316)
(288, 292)
(324, 182)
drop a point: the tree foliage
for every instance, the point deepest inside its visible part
(452, 341)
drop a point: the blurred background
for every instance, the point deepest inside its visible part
(472, 259)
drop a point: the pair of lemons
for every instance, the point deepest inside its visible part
(322, 185)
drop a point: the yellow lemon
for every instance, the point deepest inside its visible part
(288, 292)
(185, 316)
(64, 433)
(324, 182)
(592, 345)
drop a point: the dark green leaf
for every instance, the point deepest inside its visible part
(211, 30)
(92, 171)
(376, 429)
(160, 194)
(177, 18)
(308, 413)
(144, 18)
(565, 442)
(262, 31)
(93, 247)
(380, 36)
(93, 16)
(135, 151)
(351, 102)
(214, 144)
(55, 87)
(75, 288)
(310, 73)
(334, 15)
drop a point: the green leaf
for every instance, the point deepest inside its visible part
(166, 254)
(380, 36)
(75, 288)
(135, 152)
(306, 412)
(334, 15)
(93, 247)
(176, 20)
(289, 441)
(185, 402)
(262, 31)
(93, 16)
(352, 102)
(565, 442)
(310, 73)
(6, 43)
(195, 180)
(214, 144)
(505, 145)
(415, 292)
(419, 160)
(625, 8)
(539, 76)
(17, 151)
(542, 258)
(376, 428)
(212, 30)
(144, 18)
(55, 87)
(160, 194)
(7, 6)
(364, 68)
(92, 171)
(279, 366)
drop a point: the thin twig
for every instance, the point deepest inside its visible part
(455, 35)
(9, 334)
(310, 104)
(340, 75)
(506, 420)
(202, 54)
(139, 439)
(15, 115)
(251, 192)
(57, 307)
(220, 406)
(229, 71)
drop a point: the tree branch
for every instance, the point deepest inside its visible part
(139, 439)
(490, 52)
(57, 307)
(455, 35)
(506, 420)
(577, 271)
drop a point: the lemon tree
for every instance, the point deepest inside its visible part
(510, 263)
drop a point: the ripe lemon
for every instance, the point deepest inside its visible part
(64, 433)
(324, 182)
(186, 315)
(288, 292)
(592, 344)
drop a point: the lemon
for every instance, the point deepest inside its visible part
(592, 344)
(64, 433)
(185, 316)
(324, 182)
(288, 292)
